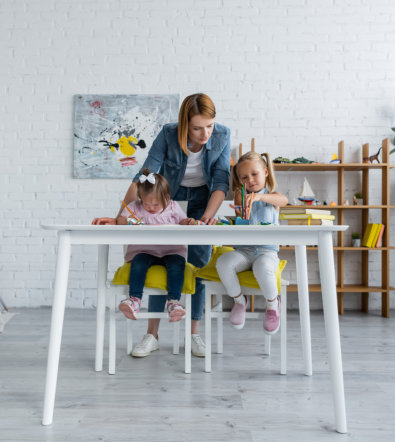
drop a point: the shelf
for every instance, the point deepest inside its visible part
(348, 288)
(337, 207)
(354, 249)
(382, 208)
(328, 167)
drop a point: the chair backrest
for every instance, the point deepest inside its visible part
(225, 209)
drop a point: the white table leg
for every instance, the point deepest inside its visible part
(188, 323)
(304, 306)
(102, 266)
(329, 300)
(207, 329)
(55, 337)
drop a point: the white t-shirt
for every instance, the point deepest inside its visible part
(194, 173)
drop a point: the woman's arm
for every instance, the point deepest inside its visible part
(221, 170)
(213, 205)
(131, 195)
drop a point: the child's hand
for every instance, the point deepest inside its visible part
(104, 221)
(187, 221)
(251, 197)
(236, 208)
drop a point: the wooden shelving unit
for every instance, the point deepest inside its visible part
(341, 249)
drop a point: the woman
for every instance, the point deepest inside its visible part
(194, 156)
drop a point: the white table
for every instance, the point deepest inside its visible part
(103, 236)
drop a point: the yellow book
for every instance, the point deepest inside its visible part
(366, 235)
(371, 233)
(305, 216)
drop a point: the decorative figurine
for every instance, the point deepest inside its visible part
(335, 159)
(306, 195)
(281, 160)
(372, 157)
(302, 160)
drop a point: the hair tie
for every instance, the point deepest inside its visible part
(150, 178)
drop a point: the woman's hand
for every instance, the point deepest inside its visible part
(104, 221)
(188, 222)
(208, 221)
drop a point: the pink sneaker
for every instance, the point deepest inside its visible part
(130, 307)
(272, 319)
(175, 310)
(238, 314)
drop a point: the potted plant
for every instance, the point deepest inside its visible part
(356, 239)
(358, 200)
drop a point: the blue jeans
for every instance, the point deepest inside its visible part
(175, 267)
(198, 255)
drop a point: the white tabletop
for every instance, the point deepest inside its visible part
(199, 234)
(179, 227)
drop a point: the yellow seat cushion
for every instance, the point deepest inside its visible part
(157, 277)
(246, 278)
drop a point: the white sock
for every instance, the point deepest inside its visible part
(240, 300)
(272, 305)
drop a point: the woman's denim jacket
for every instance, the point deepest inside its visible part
(167, 158)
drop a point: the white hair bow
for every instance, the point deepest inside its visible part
(150, 177)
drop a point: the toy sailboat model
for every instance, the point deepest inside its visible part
(306, 194)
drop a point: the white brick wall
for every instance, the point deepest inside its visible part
(297, 75)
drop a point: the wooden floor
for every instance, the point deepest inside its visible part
(151, 399)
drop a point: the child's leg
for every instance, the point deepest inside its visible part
(264, 268)
(228, 265)
(138, 270)
(175, 267)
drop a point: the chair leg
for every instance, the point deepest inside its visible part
(129, 336)
(112, 344)
(220, 328)
(268, 341)
(207, 363)
(283, 329)
(188, 313)
(176, 338)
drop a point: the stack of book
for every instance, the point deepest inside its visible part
(306, 216)
(373, 235)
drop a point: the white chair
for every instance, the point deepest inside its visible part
(217, 290)
(118, 292)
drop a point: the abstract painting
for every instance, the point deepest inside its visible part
(113, 133)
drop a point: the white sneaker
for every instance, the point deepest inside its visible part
(198, 347)
(149, 343)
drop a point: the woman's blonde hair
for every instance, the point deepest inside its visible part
(264, 160)
(196, 104)
(161, 188)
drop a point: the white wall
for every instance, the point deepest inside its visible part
(298, 75)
